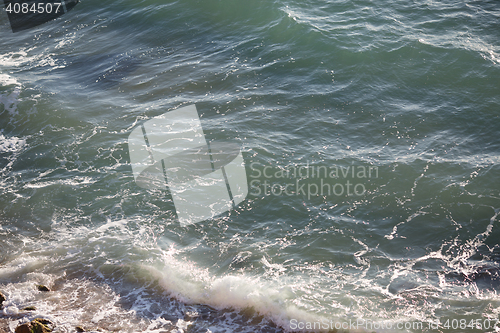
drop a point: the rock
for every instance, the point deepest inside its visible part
(30, 308)
(80, 329)
(24, 328)
(40, 325)
(2, 299)
(41, 287)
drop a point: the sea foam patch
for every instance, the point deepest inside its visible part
(11, 144)
(9, 97)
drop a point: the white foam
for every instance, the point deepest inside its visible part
(75, 181)
(24, 57)
(10, 99)
(12, 144)
(7, 80)
(14, 59)
(192, 285)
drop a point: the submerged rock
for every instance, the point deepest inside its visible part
(80, 329)
(41, 287)
(30, 308)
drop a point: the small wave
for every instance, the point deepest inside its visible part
(192, 285)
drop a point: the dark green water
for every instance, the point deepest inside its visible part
(406, 94)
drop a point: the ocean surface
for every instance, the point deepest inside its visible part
(370, 133)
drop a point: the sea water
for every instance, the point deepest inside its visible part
(370, 138)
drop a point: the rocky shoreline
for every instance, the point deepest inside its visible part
(37, 325)
(28, 319)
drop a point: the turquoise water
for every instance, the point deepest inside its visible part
(406, 94)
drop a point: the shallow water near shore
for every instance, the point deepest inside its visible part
(370, 137)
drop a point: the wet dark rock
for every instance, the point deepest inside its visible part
(24, 328)
(2, 299)
(80, 329)
(41, 287)
(40, 325)
(30, 308)
(37, 325)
